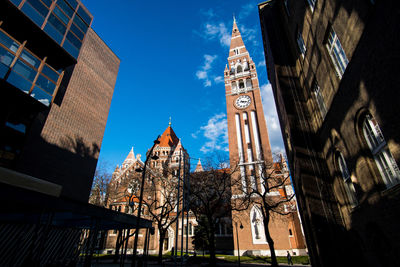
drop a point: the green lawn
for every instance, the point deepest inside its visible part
(225, 258)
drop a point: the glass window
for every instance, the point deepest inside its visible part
(319, 99)
(41, 96)
(79, 22)
(46, 84)
(61, 15)
(71, 49)
(24, 70)
(5, 57)
(3, 70)
(66, 8)
(77, 31)
(16, 2)
(73, 3)
(286, 2)
(32, 14)
(337, 53)
(18, 126)
(31, 59)
(75, 41)
(85, 16)
(39, 6)
(55, 34)
(383, 157)
(311, 3)
(47, 2)
(49, 72)
(348, 184)
(301, 45)
(57, 24)
(19, 82)
(8, 42)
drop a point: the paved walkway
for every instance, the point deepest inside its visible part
(108, 263)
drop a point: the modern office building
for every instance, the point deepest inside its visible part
(57, 79)
(333, 70)
(251, 158)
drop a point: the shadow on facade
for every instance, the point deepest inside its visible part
(366, 233)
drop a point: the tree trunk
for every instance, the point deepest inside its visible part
(117, 246)
(160, 246)
(211, 243)
(266, 216)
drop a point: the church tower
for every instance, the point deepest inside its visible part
(250, 154)
(247, 130)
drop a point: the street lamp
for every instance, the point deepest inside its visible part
(143, 171)
(237, 239)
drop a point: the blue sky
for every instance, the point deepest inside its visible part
(173, 54)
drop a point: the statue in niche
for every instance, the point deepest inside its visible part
(256, 222)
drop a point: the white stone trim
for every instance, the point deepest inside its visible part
(237, 48)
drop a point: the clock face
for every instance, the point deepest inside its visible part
(243, 101)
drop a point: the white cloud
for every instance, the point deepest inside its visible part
(209, 13)
(219, 79)
(246, 10)
(203, 74)
(261, 63)
(215, 133)
(217, 31)
(271, 116)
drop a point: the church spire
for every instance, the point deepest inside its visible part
(199, 167)
(237, 44)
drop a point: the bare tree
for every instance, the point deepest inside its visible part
(210, 196)
(100, 187)
(265, 188)
(160, 201)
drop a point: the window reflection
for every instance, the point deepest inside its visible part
(25, 70)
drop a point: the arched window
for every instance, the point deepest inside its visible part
(239, 69)
(233, 86)
(257, 226)
(383, 157)
(248, 83)
(348, 184)
(241, 84)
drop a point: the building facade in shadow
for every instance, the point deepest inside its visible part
(332, 68)
(57, 79)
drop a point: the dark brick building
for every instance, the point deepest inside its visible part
(333, 70)
(57, 80)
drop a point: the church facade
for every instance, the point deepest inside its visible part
(159, 196)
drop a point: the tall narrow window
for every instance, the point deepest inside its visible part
(383, 157)
(311, 3)
(241, 84)
(286, 2)
(319, 99)
(348, 184)
(301, 45)
(337, 53)
(248, 83)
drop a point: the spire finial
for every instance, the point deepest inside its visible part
(234, 19)
(169, 124)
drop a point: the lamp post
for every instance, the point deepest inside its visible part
(156, 142)
(237, 240)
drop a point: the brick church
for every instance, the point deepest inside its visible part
(172, 159)
(250, 154)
